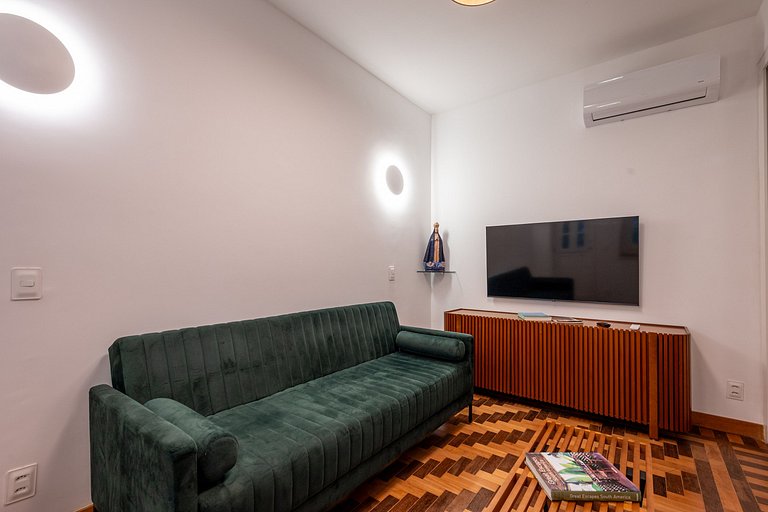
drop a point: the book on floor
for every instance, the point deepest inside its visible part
(534, 316)
(580, 476)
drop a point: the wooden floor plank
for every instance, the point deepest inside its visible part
(743, 491)
(461, 502)
(405, 504)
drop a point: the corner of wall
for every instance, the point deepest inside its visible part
(762, 129)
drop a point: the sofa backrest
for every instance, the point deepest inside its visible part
(216, 367)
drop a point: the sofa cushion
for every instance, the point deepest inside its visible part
(216, 448)
(295, 443)
(440, 347)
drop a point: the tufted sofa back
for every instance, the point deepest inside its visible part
(216, 367)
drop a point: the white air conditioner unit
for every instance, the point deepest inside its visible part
(678, 84)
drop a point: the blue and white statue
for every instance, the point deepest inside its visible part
(434, 259)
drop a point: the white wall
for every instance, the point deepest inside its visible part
(222, 170)
(691, 175)
(762, 24)
(762, 18)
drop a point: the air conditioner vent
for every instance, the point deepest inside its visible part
(679, 84)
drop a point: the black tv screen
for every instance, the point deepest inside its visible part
(593, 260)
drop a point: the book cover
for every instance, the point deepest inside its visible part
(580, 476)
(534, 316)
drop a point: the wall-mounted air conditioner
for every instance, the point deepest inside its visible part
(678, 84)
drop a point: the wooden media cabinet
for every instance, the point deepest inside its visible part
(641, 376)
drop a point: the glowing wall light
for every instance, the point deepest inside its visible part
(395, 180)
(391, 181)
(32, 58)
(472, 3)
(44, 94)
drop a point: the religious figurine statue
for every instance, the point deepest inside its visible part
(434, 259)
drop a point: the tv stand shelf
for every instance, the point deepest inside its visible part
(641, 376)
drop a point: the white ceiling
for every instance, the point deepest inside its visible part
(441, 55)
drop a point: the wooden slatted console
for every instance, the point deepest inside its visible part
(641, 376)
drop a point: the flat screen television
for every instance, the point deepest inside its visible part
(590, 260)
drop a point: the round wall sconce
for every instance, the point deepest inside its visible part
(47, 68)
(395, 181)
(391, 181)
(33, 59)
(472, 3)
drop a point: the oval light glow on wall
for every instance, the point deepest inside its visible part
(391, 181)
(32, 58)
(395, 180)
(44, 66)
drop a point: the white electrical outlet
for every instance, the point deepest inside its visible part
(391, 272)
(735, 390)
(21, 484)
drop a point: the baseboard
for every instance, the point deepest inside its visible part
(89, 508)
(734, 426)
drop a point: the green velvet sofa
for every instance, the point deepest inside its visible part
(287, 413)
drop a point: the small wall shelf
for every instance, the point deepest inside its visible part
(435, 272)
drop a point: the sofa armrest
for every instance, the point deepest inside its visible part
(216, 448)
(467, 339)
(469, 344)
(139, 461)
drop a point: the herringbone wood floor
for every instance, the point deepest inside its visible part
(460, 466)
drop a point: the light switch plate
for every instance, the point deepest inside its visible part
(26, 283)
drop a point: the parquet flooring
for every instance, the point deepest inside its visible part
(460, 466)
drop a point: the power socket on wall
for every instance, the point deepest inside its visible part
(21, 483)
(735, 390)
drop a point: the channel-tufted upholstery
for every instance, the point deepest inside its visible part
(317, 401)
(216, 367)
